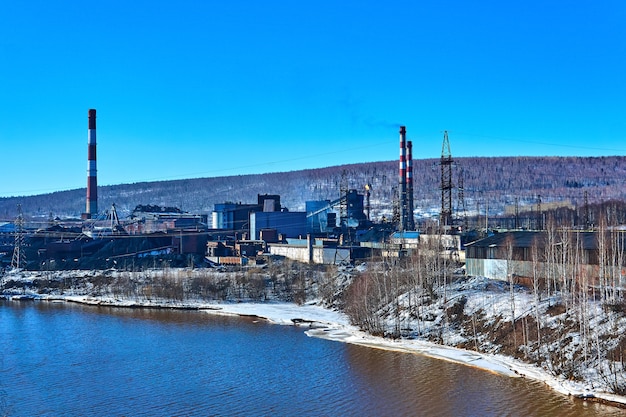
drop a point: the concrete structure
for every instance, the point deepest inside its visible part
(92, 179)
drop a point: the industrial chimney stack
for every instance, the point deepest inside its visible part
(402, 191)
(92, 179)
(410, 222)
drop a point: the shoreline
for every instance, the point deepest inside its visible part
(335, 326)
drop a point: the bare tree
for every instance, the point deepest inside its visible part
(510, 273)
(536, 288)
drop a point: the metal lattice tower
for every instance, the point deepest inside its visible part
(19, 259)
(395, 218)
(446, 182)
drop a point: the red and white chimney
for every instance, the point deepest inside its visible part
(410, 223)
(92, 179)
(402, 191)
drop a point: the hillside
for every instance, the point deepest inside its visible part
(493, 181)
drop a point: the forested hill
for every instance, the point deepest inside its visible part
(494, 181)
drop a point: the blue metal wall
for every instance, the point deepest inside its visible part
(287, 223)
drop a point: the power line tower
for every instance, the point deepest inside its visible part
(446, 182)
(395, 217)
(19, 258)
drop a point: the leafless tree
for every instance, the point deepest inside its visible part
(510, 273)
(536, 287)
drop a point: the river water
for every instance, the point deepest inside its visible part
(63, 359)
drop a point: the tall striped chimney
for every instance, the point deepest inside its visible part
(409, 186)
(402, 196)
(92, 179)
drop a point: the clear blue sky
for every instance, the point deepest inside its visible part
(188, 89)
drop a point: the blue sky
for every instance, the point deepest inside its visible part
(211, 88)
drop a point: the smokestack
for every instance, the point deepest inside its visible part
(92, 179)
(409, 186)
(402, 191)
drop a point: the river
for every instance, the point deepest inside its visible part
(63, 359)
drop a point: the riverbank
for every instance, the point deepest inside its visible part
(333, 325)
(467, 321)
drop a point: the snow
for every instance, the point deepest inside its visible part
(332, 325)
(282, 313)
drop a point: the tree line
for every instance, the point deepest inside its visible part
(495, 182)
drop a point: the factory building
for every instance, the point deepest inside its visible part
(285, 223)
(321, 216)
(7, 240)
(314, 251)
(153, 219)
(231, 216)
(236, 216)
(267, 220)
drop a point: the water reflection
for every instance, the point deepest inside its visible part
(69, 359)
(441, 388)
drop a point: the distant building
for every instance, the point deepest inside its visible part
(517, 253)
(286, 223)
(152, 219)
(236, 216)
(311, 250)
(325, 216)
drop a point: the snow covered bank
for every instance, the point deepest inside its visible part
(467, 321)
(335, 326)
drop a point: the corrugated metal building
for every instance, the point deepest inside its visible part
(286, 223)
(511, 253)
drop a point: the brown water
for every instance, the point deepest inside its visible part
(65, 359)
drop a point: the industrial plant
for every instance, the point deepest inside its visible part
(336, 230)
